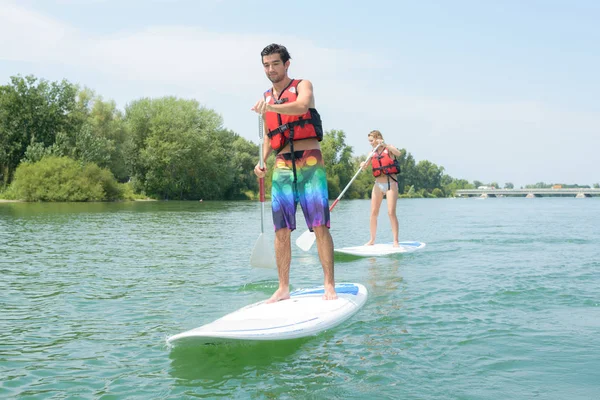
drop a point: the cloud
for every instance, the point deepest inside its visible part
(164, 54)
(222, 70)
(30, 36)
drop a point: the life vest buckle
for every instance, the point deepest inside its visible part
(279, 130)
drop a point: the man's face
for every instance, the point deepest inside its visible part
(275, 69)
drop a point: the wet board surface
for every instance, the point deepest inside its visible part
(381, 249)
(305, 313)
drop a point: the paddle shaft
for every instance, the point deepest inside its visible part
(261, 181)
(352, 180)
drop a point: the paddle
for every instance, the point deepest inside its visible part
(262, 254)
(307, 239)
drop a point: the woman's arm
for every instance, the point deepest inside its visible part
(391, 148)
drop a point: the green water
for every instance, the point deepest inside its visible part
(504, 302)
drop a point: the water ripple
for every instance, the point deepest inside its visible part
(502, 303)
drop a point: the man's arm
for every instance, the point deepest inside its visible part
(304, 101)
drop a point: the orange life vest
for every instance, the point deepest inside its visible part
(384, 164)
(283, 128)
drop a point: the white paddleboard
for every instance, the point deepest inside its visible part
(305, 313)
(381, 249)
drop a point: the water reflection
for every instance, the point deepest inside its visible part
(25, 209)
(384, 274)
(214, 365)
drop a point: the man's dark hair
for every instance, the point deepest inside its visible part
(276, 48)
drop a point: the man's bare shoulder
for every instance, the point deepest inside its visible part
(305, 83)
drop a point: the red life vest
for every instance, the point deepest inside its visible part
(283, 128)
(384, 164)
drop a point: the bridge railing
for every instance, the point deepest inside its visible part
(535, 192)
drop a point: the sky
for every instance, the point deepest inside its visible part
(494, 91)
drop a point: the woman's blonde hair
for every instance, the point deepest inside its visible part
(376, 134)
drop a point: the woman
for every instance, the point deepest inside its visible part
(385, 170)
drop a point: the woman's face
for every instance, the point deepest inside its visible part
(372, 141)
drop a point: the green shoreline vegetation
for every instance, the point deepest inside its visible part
(60, 142)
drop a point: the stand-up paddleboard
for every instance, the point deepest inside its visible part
(381, 249)
(305, 313)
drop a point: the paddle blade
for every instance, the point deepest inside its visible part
(306, 240)
(263, 255)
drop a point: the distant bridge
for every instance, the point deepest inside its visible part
(575, 192)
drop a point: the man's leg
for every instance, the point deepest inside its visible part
(314, 199)
(283, 257)
(325, 249)
(284, 220)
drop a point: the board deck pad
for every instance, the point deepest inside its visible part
(381, 249)
(305, 313)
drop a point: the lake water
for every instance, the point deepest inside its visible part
(504, 302)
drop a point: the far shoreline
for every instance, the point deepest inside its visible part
(118, 201)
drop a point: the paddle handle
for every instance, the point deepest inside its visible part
(334, 204)
(261, 185)
(353, 178)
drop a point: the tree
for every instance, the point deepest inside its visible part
(33, 113)
(407, 173)
(363, 185)
(429, 175)
(539, 185)
(179, 150)
(337, 156)
(107, 125)
(177, 159)
(457, 184)
(244, 157)
(509, 185)
(171, 148)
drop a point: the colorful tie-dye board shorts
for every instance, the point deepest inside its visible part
(311, 190)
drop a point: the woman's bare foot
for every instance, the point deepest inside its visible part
(396, 244)
(280, 294)
(370, 243)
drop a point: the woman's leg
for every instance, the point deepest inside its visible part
(376, 198)
(392, 199)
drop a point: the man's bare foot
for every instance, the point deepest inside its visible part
(280, 294)
(370, 243)
(330, 293)
(396, 244)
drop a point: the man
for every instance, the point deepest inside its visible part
(293, 129)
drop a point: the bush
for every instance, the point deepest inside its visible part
(5, 194)
(129, 193)
(437, 192)
(410, 193)
(64, 179)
